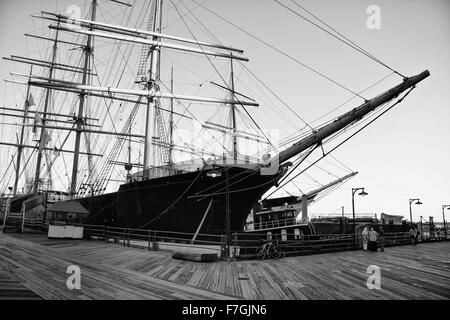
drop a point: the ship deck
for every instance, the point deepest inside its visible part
(34, 267)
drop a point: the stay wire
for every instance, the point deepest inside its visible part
(351, 136)
(281, 52)
(226, 84)
(245, 68)
(350, 43)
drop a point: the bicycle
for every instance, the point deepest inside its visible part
(268, 250)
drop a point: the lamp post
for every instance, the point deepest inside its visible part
(421, 228)
(84, 186)
(410, 209)
(214, 174)
(443, 217)
(363, 194)
(227, 213)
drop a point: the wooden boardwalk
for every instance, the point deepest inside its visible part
(32, 266)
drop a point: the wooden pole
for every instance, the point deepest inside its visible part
(20, 147)
(43, 129)
(87, 58)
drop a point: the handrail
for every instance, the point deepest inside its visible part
(244, 244)
(275, 223)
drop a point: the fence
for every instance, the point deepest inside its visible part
(242, 245)
(156, 239)
(245, 244)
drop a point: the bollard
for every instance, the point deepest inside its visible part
(223, 248)
(235, 252)
(149, 239)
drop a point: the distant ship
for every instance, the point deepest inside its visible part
(286, 218)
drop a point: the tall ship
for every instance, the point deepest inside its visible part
(81, 117)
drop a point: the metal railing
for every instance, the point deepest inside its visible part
(246, 244)
(242, 245)
(128, 234)
(345, 215)
(275, 224)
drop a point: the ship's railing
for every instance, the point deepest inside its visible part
(275, 223)
(345, 215)
(192, 166)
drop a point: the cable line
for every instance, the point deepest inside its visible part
(348, 42)
(344, 141)
(280, 52)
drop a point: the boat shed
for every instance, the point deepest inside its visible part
(66, 211)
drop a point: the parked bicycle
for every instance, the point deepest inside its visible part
(270, 249)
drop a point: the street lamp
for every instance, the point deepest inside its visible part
(215, 174)
(443, 217)
(363, 194)
(410, 210)
(84, 186)
(421, 228)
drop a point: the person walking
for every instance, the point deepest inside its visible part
(365, 237)
(381, 238)
(373, 238)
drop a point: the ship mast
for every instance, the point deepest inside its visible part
(233, 113)
(79, 121)
(171, 120)
(152, 85)
(20, 146)
(43, 128)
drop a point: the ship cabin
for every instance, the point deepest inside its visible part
(54, 196)
(276, 219)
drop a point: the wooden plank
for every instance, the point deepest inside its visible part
(192, 256)
(111, 271)
(43, 270)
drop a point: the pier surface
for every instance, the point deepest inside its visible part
(33, 267)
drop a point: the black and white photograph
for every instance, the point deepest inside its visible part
(223, 155)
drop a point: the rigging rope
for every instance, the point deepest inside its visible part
(280, 51)
(348, 138)
(348, 42)
(225, 82)
(245, 68)
(176, 201)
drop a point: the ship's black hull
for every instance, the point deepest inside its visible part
(179, 202)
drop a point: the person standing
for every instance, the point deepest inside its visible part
(416, 234)
(381, 238)
(412, 236)
(365, 237)
(373, 237)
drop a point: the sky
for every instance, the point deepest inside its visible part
(405, 154)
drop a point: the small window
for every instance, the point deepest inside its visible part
(283, 235)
